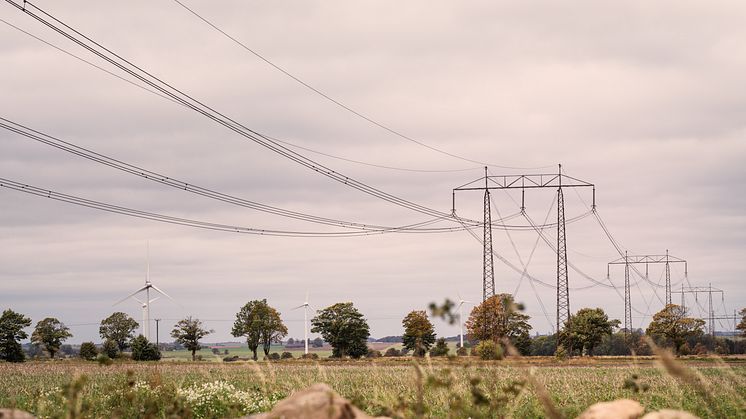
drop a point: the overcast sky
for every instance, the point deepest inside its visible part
(645, 100)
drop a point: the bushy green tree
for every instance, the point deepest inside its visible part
(543, 345)
(344, 328)
(671, 327)
(120, 328)
(585, 330)
(259, 324)
(11, 333)
(88, 351)
(419, 333)
(143, 350)
(49, 334)
(440, 348)
(188, 333)
(110, 349)
(497, 318)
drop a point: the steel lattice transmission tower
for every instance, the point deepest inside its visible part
(628, 260)
(488, 265)
(709, 290)
(563, 289)
(557, 181)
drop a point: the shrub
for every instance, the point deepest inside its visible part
(310, 356)
(372, 353)
(560, 353)
(230, 358)
(286, 355)
(142, 350)
(88, 351)
(104, 359)
(440, 348)
(274, 356)
(110, 348)
(685, 349)
(462, 352)
(488, 349)
(392, 352)
(700, 349)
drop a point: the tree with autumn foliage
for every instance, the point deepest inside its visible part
(497, 318)
(419, 333)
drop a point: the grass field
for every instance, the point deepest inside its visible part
(244, 352)
(381, 386)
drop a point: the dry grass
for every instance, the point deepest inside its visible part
(391, 386)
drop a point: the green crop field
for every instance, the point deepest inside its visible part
(390, 386)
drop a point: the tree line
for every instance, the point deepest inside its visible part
(493, 327)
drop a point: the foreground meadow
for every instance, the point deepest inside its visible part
(435, 389)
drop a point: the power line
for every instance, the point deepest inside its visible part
(199, 107)
(285, 142)
(175, 183)
(33, 190)
(336, 101)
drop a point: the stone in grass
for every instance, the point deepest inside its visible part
(617, 409)
(316, 402)
(669, 414)
(15, 414)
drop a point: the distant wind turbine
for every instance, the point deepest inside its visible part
(305, 307)
(146, 304)
(461, 302)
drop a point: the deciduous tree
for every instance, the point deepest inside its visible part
(188, 332)
(419, 333)
(498, 317)
(273, 330)
(586, 329)
(120, 328)
(671, 326)
(50, 333)
(259, 324)
(344, 328)
(11, 332)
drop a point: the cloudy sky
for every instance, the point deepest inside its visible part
(645, 100)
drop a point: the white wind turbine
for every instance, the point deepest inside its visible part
(145, 304)
(145, 314)
(305, 307)
(461, 302)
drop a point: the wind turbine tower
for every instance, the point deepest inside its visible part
(461, 302)
(146, 304)
(305, 323)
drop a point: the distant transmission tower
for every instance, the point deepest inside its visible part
(647, 260)
(710, 308)
(556, 181)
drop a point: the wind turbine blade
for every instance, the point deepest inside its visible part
(156, 298)
(161, 291)
(459, 296)
(138, 300)
(130, 296)
(300, 306)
